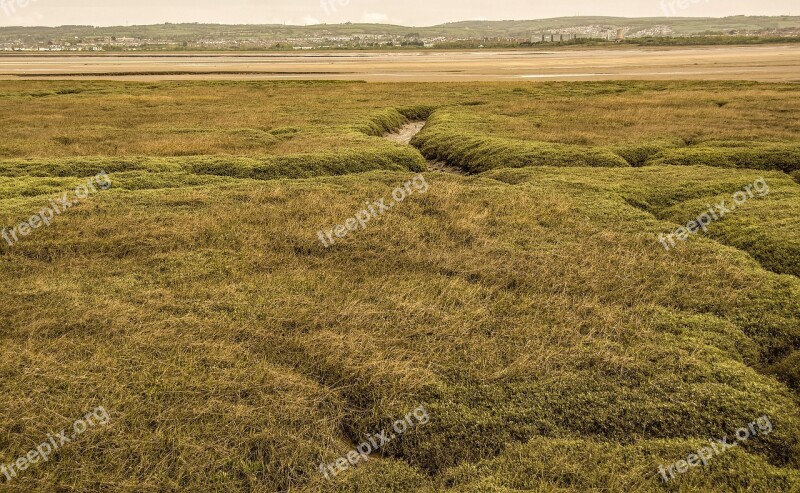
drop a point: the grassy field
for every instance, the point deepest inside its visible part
(528, 307)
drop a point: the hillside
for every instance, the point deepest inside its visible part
(181, 36)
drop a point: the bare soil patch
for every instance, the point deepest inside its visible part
(404, 134)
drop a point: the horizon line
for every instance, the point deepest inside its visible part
(346, 23)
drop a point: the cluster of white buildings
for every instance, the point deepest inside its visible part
(610, 33)
(362, 40)
(326, 39)
(655, 31)
(97, 44)
(309, 41)
(21, 46)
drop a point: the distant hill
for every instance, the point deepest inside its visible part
(168, 36)
(681, 25)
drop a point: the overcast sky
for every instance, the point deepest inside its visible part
(405, 12)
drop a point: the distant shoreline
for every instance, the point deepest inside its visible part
(354, 52)
(770, 63)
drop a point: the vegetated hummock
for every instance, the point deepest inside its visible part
(528, 306)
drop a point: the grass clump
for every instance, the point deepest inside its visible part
(384, 155)
(764, 226)
(637, 154)
(665, 197)
(788, 370)
(778, 156)
(381, 123)
(416, 113)
(766, 229)
(575, 465)
(443, 140)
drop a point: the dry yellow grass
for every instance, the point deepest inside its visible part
(60, 119)
(554, 343)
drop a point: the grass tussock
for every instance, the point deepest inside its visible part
(639, 153)
(443, 140)
(764, 226)
(386, 156)
(788, 370)
(381, 123)
(577, 465)
(417, 113)
(778, 156)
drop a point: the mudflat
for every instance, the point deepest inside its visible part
(774, 63)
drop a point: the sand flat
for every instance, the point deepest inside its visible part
(775, 63)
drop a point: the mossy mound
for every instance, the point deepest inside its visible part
(443, 139)
(419, 112)
(638, 153)
(383, 156)
(778, 156)
(381, 122)
(788, 370)
(574, 466)
(764, 226)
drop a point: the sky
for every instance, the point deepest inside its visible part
(405, 12)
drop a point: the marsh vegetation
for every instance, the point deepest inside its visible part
(527, 305)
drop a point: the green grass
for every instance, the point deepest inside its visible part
(764, 227)
(639, 153)
(571, 466)
(784, 157)
(444, 140)
(385, 156)
(789, 370)
(531, 310)
(478, 141)
(52, 119)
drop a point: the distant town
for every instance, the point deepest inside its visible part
(200, 37)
